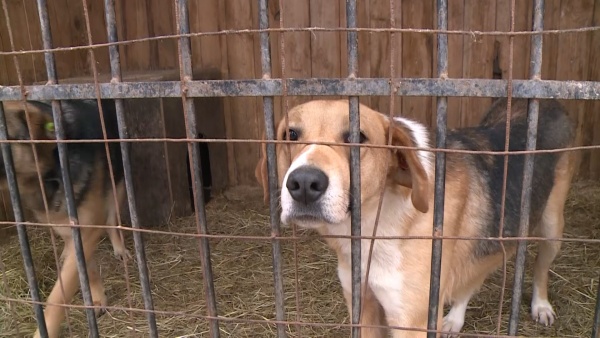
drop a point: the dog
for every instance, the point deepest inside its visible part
(92, 187)
(314, 183)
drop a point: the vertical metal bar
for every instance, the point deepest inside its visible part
(440, 174)
(185, 64)
(115, 69)
(532, 121)
(265, 52)
(13, 189)
(355, 221)
(596, 327)
(64, 169)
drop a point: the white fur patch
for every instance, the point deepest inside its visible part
(455, 319)
(385, 276)
(334, 202)
(541, 309)
(420, 134)
(287, 202)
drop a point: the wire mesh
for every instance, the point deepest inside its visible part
(268, 88)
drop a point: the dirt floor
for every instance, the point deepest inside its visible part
(243, 279)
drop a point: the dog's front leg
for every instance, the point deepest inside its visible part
(371, 315)
(67, 285)
(371, 311)
(411, 320)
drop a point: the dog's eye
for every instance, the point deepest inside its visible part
(363, 138)
(293, 135)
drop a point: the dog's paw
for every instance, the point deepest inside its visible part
(100, 306)
(122, 254)
(542, 312)
(452, 323)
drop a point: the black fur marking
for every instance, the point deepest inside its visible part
(554, 131)
(81, 121)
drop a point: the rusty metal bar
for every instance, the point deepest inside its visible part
(64, 170)
(440, 174)
(596, 327)
(138, 241)
(541, 89)
(532, 122)
(355, 216)
(265, 52)
(185, 65)
(13, 189)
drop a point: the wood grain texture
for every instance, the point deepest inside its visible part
(241, 65)
(417, 56)
(456, 14)
(478, 55)
(575, 14)
(593, 107)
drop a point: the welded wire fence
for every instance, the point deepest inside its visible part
(268, 87)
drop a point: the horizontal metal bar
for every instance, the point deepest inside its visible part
(540, 89)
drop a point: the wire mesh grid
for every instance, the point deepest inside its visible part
(268, 88)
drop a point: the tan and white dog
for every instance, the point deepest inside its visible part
(315, 187)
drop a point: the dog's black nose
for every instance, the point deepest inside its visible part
(307, 184)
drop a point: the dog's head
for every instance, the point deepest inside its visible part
(315, 179)
(40, 127)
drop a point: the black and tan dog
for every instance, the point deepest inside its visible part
(315, 193)
(92, 187)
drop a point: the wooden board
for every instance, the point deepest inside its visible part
(593, 107)
(417, 56)
(522, 44)
(210, 122)
(550, 49)
(575, 14)
(325, 46)
(590, 131)
(379, 44)
(206, 50)
(456, 13)
(478, 55)
(132, 19)
(243, 121)
(26, 36)
(297, 45)
(364, 43)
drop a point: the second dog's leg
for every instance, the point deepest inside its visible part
(68, 282)
(111, 220)
(98, 295)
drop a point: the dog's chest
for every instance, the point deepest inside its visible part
(386, 276)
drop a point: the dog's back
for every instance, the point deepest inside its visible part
(555, 131)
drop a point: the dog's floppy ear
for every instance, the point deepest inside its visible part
(261, 172)
(408, 169)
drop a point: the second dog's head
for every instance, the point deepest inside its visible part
(315, 179)
(40, 127)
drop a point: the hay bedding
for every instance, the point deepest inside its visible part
(244, 281)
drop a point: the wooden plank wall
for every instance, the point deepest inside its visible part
(323, 54)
